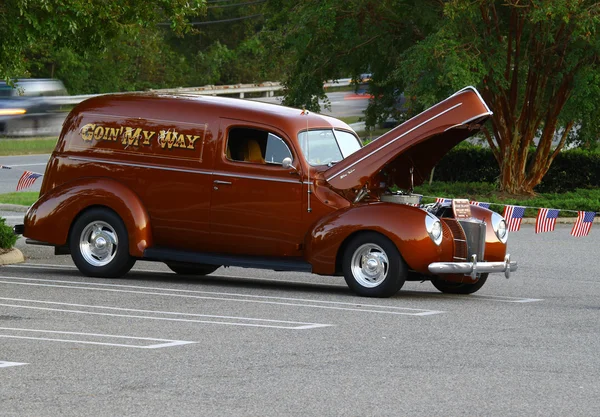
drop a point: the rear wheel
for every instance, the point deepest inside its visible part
(373, 266)
(99, 244)
(458, 288)
(183, 268)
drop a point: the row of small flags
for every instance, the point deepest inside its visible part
(26, 180)
(544, 222)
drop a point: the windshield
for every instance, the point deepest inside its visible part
(327, 146)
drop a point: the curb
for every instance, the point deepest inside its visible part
(15, 256)
(14, 207)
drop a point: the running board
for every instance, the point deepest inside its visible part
(259, 262)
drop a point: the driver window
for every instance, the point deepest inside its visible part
(256, 146)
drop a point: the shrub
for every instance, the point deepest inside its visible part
(7, 237)
(572, 169)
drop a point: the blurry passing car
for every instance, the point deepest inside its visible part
(31, 107)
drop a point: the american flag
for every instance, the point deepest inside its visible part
(583, 224)
(27, 180)
(443, 200)
(513, 216)
(546, 220)
(480, 204)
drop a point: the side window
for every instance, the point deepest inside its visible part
(255, 146)
(277, 150)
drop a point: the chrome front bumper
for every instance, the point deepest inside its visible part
(473, 268)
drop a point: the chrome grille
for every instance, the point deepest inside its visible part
(460, 240)
(474, 231)
(468, 236)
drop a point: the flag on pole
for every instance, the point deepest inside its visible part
(546, 220)
(27, 180)
(583, 224)
(480, 204)
(513, 216)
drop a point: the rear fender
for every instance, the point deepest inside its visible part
(50, 218)
(403, 225)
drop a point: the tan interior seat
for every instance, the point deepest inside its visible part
(253, 152)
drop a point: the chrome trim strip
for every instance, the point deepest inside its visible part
(394, 140)
(255, 177)
(468, 120)
(130, 164)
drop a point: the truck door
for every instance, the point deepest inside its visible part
(256, 204)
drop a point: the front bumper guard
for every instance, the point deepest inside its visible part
(473, 268)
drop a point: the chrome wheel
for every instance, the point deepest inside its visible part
(369, 265)
(98, 243)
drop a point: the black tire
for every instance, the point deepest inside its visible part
(448, 287)
(99, 244)
(387, 273)
(182, 268)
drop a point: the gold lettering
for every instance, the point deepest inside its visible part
(112, 133)
(192, 140)
(131, 137)
(167, 138)
(148, 136)
(87, 131)
(180, 141)
(99, 132)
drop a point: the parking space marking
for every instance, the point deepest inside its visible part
(4, 364)
(268, 323)
(166, 342)
(223, 296)
(506, 299)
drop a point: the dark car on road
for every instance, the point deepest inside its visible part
(31, 107)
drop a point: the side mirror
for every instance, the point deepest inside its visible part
(287, 164)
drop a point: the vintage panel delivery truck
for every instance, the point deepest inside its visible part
(204, 182)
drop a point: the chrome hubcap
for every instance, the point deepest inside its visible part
(370, 265)
(98, 243)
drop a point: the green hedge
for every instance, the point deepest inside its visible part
(7, 237)
(570, 170)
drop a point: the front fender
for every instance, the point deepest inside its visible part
(49, 219)
(402, 224)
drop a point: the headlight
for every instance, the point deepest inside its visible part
(12, 112)
(499, 226)
(434, 228)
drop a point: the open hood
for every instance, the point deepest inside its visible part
(419, 143)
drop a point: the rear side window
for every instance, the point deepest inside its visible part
(256, 146)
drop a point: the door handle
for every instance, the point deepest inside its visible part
(219, 182)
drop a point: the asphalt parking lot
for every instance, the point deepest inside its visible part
(245, 342)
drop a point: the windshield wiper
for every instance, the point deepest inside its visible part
(332, 163)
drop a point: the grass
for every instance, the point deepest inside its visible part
(23, 198)
(580, 199)
(27, 146)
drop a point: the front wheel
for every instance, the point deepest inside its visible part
(373, 266)
(99, 244)
(458, 288)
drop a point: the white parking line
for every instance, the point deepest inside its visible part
(275, 324)
(167, 342)
(4, 364)
(229, 297)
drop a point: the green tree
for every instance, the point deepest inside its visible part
(80, 26)
(534, 61)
